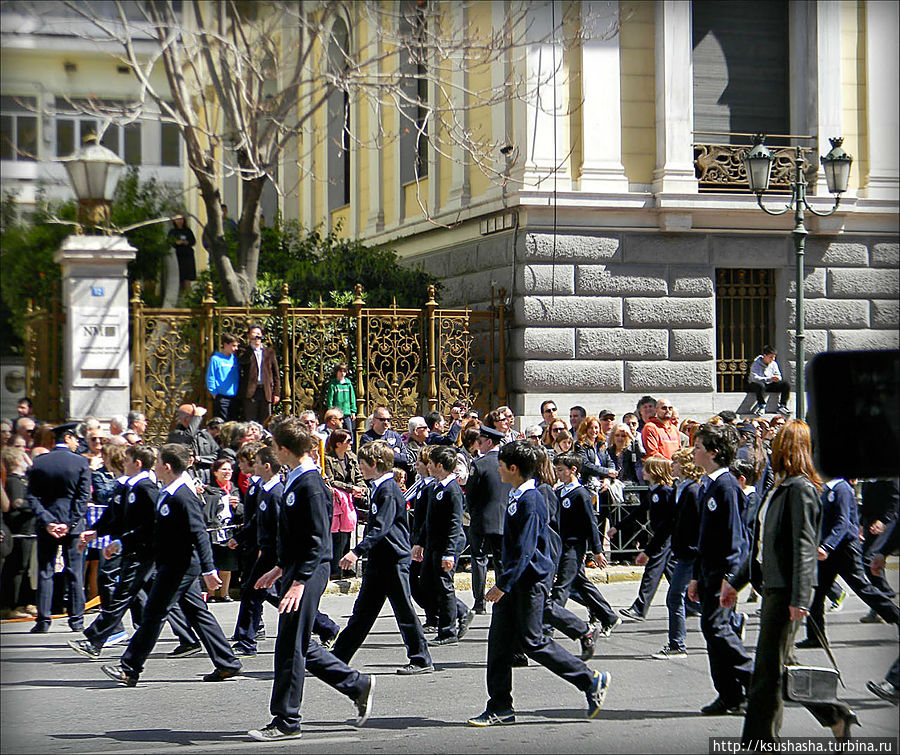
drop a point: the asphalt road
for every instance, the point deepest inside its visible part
(53, 701)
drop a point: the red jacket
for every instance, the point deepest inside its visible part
(660, 439)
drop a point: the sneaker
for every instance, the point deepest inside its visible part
(885, 690)
(185, 651)
(519, 660)
(606, 629)
(118, 638)
(838, 603)
(669, 651)
(464, 624)
(411, 669)
(783, 409)
(85, 648)
(759, 410)
(120, 675)
(451, 640)
(493, 719)
(328, 642)
(242, 652)
(221, 674)
(272, 733)
(430, 629)
(630, 613)
(261, 635)
(364, 702)
(691, 612)
(597, 692)
(480, 610)
(588, 642)
(719, 707)
(871, 618)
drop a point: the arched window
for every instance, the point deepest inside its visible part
(338, 114)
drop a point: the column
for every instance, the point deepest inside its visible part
(460, 189)
(674, 172)
(95, 347)
(375, 219)
(828, 82)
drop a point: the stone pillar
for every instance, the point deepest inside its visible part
(674, 172)
(96, 377)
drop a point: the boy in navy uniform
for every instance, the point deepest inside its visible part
(440, 545)
(183, 552)
(386, 543)
(722, 549)
(59, 488)
(417, 497)
(578, 531)
(521, 593)
(304, 560)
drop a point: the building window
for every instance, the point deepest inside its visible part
(744, 323)
(75, 122)
(18, 128)
(170, 144)
(338, 116)
(414, 92)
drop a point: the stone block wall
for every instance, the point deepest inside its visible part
(611, 317)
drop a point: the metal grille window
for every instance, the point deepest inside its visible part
(744, 306)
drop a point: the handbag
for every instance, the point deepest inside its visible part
(812, 684)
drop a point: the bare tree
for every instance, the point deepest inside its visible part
(245, 81)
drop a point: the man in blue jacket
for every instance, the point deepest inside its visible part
(222, 378)
(521, 592)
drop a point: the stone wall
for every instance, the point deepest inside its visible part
(625, 314)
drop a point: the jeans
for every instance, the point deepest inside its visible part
(682, 573)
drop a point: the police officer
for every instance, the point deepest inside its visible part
(59, 489)
(486, 496)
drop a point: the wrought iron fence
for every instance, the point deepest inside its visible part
(43, 360)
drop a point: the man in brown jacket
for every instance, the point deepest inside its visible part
(260, 380)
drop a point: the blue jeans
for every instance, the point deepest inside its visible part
(682, 573)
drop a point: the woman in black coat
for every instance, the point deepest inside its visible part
(788, 528)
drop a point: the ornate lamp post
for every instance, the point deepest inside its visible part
(93, 172)
(758, 165)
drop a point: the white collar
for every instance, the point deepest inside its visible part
(142, 475)
(569, 487)
(379, 481)
(307, 465)
(447, 480)
(717, 473)
(522, 489)
(183, 479)
(122, 479)
(832, 484)
(267, 486)
(749, 489)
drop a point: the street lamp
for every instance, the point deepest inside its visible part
(758, 166)
(93, 172)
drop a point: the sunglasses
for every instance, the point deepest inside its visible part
(549, 410)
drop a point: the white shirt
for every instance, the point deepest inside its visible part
(515, 495)
(258, 353)
(307, 465)
(761, 372)
(378, 482)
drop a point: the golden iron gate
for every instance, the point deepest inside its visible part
(411, 360)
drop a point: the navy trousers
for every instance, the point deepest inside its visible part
(384, 579)
(296, 651)
(73, 575)
(174, 586)
(729, 664)
(482, 545)
(570, 577)
(659, 563)
(443, 592)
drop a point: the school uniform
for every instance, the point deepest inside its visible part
(722, 550)
(685, 534)
(417, 497)
(486, 497)
(59, 488)
(387, 547)
(516, 619)
(578, 531)
(182, 551)
(304, 555)
(659, 503)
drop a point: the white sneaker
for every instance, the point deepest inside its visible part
(668, 652)
(783, 409)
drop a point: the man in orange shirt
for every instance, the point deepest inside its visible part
(660, 434)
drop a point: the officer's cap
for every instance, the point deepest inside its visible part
(61, 431)
(489, 432)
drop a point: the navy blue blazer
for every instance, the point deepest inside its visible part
(304, 527)
(59, 488)
(687, 523)
(526, 555)
(723, 544)
(180, 539)
(553, 536)
(444, 519)
(577, 523)
(246, 536)
(387, 528)
(133, 518)
(486, 495)
(268, 508)
(840, 521)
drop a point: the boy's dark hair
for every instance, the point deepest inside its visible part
(766, 350)
(445, 457)
(743, 468)
(293, 435)
(228, 338)
(570, 460)
(432, 418)
(144, 454)
(248, 451)
(524, 455)
(721, 441)
(176, 456)
(646, 400)
(377, 454)
(266, 455)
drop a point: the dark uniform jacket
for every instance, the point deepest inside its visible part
(419, 505)
(180, 540)
(304, 525)
(132, 518)
(59, 488)
(659, 503)
(722, 545)
(444, 520)
(577, 523)
(840, 520)
(268, 508)
(687, 522)
(487, 495)
(246, 535)
(553, 537)
(387, 528)
(880, 500)
(525, 558)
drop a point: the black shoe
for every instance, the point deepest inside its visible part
(694, 612)
(464, 624)
(630, 613)
(364, 702)
(226, 599)
(185, 651)
(588, 642)
(272, 733)
(86, 648)
(221, 674)
(885, 690)
(451, 640)
(719, 707)
(429, 628)
(480, 610)
(808, 644)
(241, 652)
(40, 629)
(120, 675)
(493, 719)
(328, 642)
(261, 635)
(411, 669)
(520, 660)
